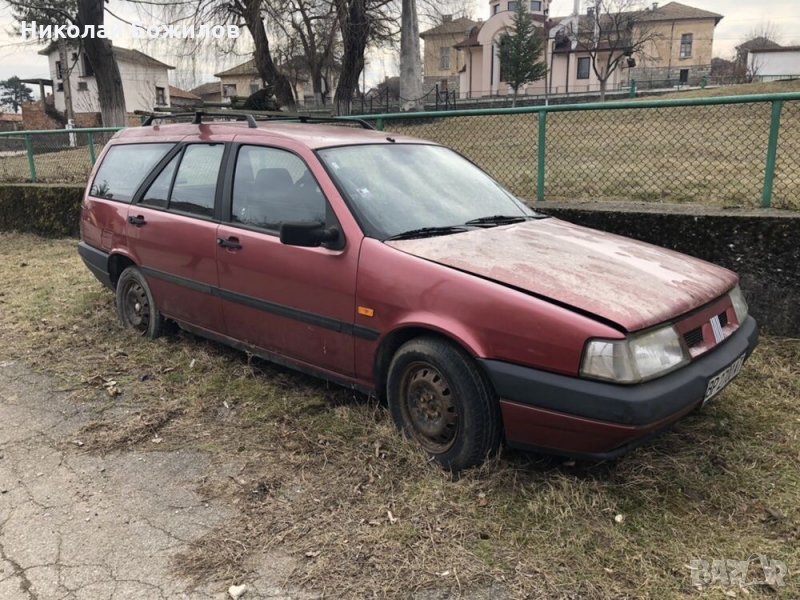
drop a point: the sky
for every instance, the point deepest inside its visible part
(740, 18)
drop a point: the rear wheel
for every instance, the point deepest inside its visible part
(135, 305)
(438, 397)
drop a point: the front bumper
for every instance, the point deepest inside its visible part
(576, 416)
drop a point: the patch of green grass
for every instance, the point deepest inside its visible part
(327, 480)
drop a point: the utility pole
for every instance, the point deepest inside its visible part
(66, 69)
(546, 29)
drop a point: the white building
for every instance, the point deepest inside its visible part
(145, 81)
(772, 64)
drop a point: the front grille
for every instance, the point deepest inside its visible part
(694, 337)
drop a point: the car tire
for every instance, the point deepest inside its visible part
(136, 307)
(438, 397)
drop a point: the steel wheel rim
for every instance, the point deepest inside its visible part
(136, 306)
(428, 406)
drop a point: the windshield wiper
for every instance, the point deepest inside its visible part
(428, 232)
(499, 220)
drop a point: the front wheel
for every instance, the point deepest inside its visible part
(135, 305)
(438, 397)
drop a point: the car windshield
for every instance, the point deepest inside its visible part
(400, 188)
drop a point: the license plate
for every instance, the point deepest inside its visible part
(717, 383)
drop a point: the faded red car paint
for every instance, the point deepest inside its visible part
(631, 283)
(525, 296)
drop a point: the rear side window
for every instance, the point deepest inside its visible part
(124, 168)
(196, 181)
(193, 188)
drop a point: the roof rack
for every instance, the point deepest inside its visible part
(312, 119)
(197, 117)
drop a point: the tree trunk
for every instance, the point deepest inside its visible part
(264, 64)
(410, 68)
(355, 35)
(603, 83)
(106, 71)
(514, 99)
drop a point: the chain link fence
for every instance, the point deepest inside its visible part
(727, 152)
(58, 156)
(712, 151)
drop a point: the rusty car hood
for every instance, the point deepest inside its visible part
(630, 283)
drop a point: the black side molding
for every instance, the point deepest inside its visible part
(97, 262)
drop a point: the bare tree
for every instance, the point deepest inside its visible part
(761, 37)
(98, 50)
(311, 37)
(616, 31)
(247, 14)
(252, 11)
(106, 71)
(361, 23)
(766, 30)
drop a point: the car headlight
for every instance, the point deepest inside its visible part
(739, 304)
(636, 358)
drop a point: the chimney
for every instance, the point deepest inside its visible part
(655, 5)
(590, 11)
(576, 8)
(447, 18)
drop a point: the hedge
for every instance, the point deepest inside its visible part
(47, 210)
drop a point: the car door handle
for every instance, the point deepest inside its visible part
(138, 220)
(232, 243)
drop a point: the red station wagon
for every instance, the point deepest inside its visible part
(395, 266)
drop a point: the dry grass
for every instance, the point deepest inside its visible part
(322, 476)
(770, 87)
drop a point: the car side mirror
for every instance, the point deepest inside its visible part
(308, 233)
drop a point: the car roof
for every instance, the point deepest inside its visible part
(310, 135)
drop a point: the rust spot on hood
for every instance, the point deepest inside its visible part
(631, 283)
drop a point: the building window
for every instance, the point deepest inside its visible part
(536, 5)
(583, 67)
(444, 59)
(59, 70)
(161, 96)
(60, 86)
(686, 45)
(254, 87)
(86, 66)
(512, 6)
(684, 76)
(496, 9)
(82, 86)
(229, 90)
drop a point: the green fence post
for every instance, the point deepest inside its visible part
(90, 139)
(772, 153)
(31, 163)
(541, 153)
(379, 124)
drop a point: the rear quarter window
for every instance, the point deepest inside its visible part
(124, 168)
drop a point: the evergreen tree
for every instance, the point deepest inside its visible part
(520, 52)
(13, 93)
